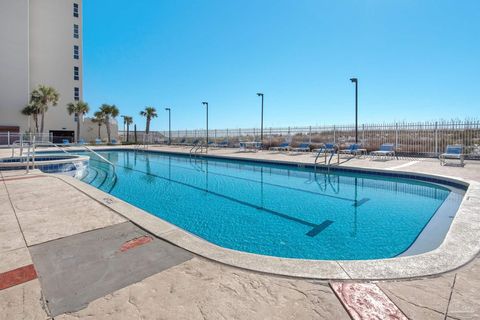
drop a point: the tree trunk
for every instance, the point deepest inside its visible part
(147, 129)
(99, 127)
(35, 118)
(128, 131)
(43, 122)
(107, 123)
(78, 127)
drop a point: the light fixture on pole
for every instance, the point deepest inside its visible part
(206, 104)
(355, 80)
(169, 125)
(261, 119)
(124, 124)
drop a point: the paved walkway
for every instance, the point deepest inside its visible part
(36, 210)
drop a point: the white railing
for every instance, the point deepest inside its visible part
(9, 138)
(410, 139)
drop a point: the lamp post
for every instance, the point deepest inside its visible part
(124, 123)
(355, 80)
(261, 119)
(169, 126)
(206, 105)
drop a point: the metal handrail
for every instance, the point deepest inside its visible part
(18, 143)
(51, 144)
(87, 148)
(101, 157)
(115, 178)
(322, 150)
(195, 148)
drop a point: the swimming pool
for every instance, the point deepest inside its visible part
(280, 210)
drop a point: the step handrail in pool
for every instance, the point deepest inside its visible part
(101, 157)
(324, 151)
(60, 148)
(195, 148)
(115, 178)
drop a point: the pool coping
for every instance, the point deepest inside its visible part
(461, 243)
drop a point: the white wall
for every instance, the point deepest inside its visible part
(51, 55)
(89, 130)
(36, 38)
(14, 83)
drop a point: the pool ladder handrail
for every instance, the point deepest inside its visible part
(332, 154)
(22, 143)
(195, 148)
(142, 145)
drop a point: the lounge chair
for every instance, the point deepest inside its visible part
(181, 142)
(189, 144)
(98, 141)
(454, 152)
(250, 146)
(303, 147)
(386, 149)
(327, 148)
(65, 141)
(353, 149)
(282, 147)
(81, 141)
(222, 144)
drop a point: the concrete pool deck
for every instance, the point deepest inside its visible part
(201, 288)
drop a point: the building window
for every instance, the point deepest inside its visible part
(76, 73)
(76, 93)
(75, 31)
(76, 52)
(75, 10)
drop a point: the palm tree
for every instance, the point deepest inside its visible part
(79, 108)
(99, 118)
(42, 98)
(110, 112)
(127, 120)
(31, 111)
(149, 113)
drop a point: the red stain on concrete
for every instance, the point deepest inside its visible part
(135, 243)
(366, 301)
(17, 276)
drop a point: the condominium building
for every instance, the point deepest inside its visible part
(41, 44)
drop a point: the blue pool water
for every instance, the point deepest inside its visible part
(274, 210)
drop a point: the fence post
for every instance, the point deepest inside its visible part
(396, 134)
(436, 138)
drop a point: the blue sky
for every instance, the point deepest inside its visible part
(415, 60)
